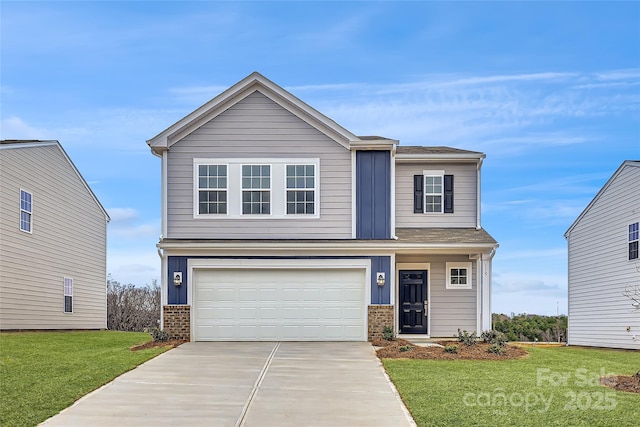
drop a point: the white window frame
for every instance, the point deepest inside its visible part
(433, 174)
(458, 265)
(68, 292)
(27, 212)
(278, 188)
(260, 189)
(314, 189)
(198, 189)
(631, 239)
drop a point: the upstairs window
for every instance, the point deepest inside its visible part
(634, 233)
(68, 295)
(433, 192)
(26, 211)
(256, 189)
(301, 193)
(212, 189)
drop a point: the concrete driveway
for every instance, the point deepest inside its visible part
(247, 384)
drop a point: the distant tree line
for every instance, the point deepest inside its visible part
(131, 308)
(532, 327)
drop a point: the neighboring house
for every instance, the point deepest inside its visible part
(52, 241)
(279, 224)
(603, 262)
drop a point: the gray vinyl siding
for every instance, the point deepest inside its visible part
(599, 268)
(450, 309)
(68, 240)
(464, 196)
(256, 127)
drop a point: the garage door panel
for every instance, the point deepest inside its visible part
(266, 304)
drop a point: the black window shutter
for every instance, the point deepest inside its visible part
(418, 198)
(448, 194)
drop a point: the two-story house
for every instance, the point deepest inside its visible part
(53, 241)
(604, 265)
(280, 224)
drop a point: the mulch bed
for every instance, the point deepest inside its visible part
(152, 344)
(629, 383)
(392, 350)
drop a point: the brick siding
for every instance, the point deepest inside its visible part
(379, 317)
(177, 321)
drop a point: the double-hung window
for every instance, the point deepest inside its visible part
(634, 237)
(26, 211)
(212, 189)
(301, 193)
(433, 192)
(68, 295)
(256, 189)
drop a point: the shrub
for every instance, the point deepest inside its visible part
(404, 348)
(387, 333)
(496, 349)
(451, 349)
(467, 338)
(494, 337)
(159, 335)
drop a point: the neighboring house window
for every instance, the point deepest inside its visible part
(433, 192)
(68, 295)
(212, 189)
(26, 211)
(458, 275)
(256, 189)
(634, 234)
(301, 189)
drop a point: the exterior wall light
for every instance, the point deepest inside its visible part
(380, 278)
(177, 278)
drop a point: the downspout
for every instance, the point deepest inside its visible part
(163, 285)
(479, 189)
(393, 192)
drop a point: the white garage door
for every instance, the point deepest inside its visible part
(279, 305)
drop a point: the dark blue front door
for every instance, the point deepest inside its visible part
(413, 302)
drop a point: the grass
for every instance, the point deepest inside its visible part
(42, 373)
(552, 387)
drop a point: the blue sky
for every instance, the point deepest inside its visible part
(550, 91)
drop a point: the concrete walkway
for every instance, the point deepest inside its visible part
(247, 384)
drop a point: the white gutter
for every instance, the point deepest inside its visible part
(478, 199)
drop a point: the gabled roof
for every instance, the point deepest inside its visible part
(8, 144)
(626, 163)
(236, 93)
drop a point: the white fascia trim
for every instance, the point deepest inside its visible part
(348, 247)
(415, 266)
(244, 264)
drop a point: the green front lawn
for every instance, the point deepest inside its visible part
(553, 387)
(42, 373)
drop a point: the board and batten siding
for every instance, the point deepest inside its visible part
(449, 309)
(257, 127)
(464, 196)
(599, 268)
(68, 240)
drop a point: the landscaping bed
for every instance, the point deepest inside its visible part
(403, 349)
(630, 383)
